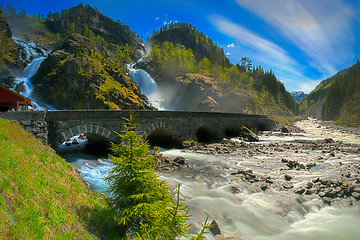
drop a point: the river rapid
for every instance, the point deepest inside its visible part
(283, 187)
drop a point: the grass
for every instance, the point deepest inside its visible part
(42, 196)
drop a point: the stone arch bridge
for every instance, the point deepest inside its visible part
(55, 127)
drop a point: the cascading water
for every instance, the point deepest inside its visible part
(147, 86)
(34, 55)
(28, 73)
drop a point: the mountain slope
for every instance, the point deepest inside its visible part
(336, 98)
(179, 52)
(10, 62)
(79, 74)
(188, 36)
(87, 67)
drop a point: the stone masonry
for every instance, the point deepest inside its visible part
(55, 127)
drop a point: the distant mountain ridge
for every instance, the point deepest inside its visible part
(297, 95)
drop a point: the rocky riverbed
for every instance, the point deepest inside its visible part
(302, 172)
(299, 182)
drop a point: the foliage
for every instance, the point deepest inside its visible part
(336, 98)
(268, 95)
(142, 203)
(187, 35)
(42, 196)
(343, 99)
(169, 58)
(140, 200)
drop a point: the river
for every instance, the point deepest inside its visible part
(217, 185)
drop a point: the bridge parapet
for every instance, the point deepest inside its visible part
(55, 127)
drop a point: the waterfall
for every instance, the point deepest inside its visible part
(28, 73)
(143, 79)
(147, 86)
(29, 50)
(34, 55)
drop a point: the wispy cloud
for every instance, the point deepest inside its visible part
(315, 27)
(264, 51)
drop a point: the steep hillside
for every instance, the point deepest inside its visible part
(336, 98)
(10, 62)
(194, 74)
(188, 36)
(89, 21)
(81, 74)
(42, 196)
(342, 102)
(87, 67)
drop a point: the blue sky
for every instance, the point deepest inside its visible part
(302, 41)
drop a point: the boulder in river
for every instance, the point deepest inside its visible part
(248, 134)
(214, 228)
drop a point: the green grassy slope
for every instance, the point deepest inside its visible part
(42, 196)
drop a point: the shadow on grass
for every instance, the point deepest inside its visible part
(101, 223)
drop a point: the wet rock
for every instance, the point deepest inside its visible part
(249, 176)
(316, 180)
(300, 191)
(322, 194)
(309, 185)
(264, 186)
(328, 140)
(309, 191)
(267, 179)
(331, 193)
(284, 130)
(287, 185)
(249, 135)
(179, 160)
(356, 195)
(326, 200)
(288, 177)
(214, 228)
(235, 190)
(326, 182)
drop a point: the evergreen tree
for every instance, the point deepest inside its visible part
(142, 203)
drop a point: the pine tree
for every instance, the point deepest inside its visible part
(142, 203)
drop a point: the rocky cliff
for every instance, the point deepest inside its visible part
(10, 63)
(83, 74)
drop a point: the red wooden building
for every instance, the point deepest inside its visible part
(10, 99)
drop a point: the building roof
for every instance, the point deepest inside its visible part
(8, 96)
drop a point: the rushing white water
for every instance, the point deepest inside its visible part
(28, 73)
(29, 51)
(242, 209)
(34, 55)
(147, 85)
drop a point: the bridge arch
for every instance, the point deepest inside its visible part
(206, 133)
(67, 133)
(164, 137)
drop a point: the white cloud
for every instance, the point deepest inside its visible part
(308, 86)
(156, 19)
(318, 28)
(232, 45)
